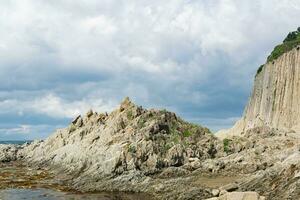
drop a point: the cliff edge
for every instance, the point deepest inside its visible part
(275, 98)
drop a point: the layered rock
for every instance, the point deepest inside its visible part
(118, 151)
(275, 99)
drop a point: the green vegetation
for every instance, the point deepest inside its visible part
(141, 123)
(129, 115)
(187, 133)
(175, 136)
(167, 147)
(72, 128)
(291, 41)
(259, 69)
(132, 149)
(226, 145)
(163, 111)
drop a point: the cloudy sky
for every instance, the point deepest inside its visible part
(59, 58)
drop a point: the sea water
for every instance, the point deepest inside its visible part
(46, 194)
(15, 141)
(52, 194)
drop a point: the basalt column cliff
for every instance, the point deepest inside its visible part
(275, 99)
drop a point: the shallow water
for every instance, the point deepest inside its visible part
(19, 182)
(47, 194)
(20, 142)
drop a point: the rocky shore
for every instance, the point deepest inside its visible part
(155, 152)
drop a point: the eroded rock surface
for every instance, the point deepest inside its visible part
(156, 152)
(8, 153)
(127, 149)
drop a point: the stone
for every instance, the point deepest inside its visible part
(215, 192)
(89, 113)
(8, 153)
(240, 196)
(222, 192)
(230, 187)
(123, 148)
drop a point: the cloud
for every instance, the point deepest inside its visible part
(53, 106)
(26, 132)
(22, 129)
(198, 58)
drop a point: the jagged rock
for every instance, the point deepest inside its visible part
(89, 113)
(78, 121)
(8, 153)
(154, 151)
(130, 143)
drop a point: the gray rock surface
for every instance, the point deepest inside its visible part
(126, 149)
(8, 153)
(154, 151)
(275, 98)
(239, 196)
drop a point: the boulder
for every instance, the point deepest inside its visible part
(239, 196)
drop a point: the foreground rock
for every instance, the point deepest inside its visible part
(239, 196)
(129, 149)
(155, 152)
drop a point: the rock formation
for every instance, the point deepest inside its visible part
(123, 149)
(156, 152)
(275, 99)
(129, 138)
(265, 142)
(8, 152)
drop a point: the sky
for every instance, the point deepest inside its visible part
(60, 58)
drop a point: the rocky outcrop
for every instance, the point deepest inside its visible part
(264, 143)
(123, 149)
(275, 99)
(269, 160)
(156, 152)
(8, 153)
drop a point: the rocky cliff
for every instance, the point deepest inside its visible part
(125, 149)
(153, 151)
(129, 138)
(275, 98)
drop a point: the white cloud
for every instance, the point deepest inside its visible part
(21, 129)
(61, 57)
(54, 106)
